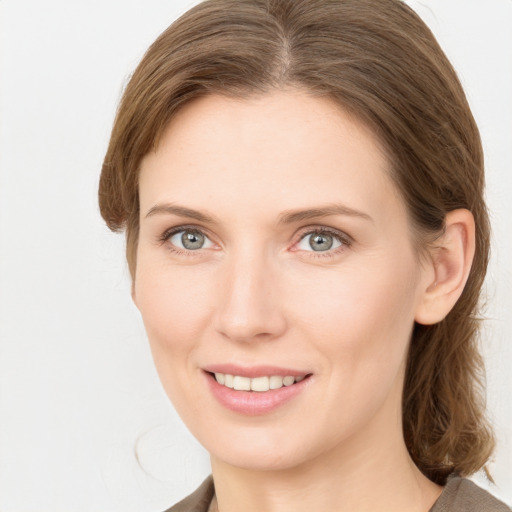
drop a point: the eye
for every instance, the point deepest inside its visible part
(323, 240)
(188, 239)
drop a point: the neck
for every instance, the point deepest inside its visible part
(369, 472)
(378, 483)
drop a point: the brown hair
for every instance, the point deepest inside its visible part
(379, 61)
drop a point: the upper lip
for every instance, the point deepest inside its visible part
(254, 371)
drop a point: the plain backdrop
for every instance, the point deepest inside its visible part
(84, 423)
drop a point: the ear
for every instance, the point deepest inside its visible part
(449, 266)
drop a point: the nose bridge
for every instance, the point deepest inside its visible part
(249, 307)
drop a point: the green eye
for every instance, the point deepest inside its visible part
(320, 241)
(189, 239)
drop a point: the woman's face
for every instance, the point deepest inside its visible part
(273, 244)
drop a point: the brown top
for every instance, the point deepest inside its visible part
(462, 495)
(459, 495)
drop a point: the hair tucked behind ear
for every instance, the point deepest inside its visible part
(380, 62)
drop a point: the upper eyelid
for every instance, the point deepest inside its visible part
(185, 227)
(325, 229)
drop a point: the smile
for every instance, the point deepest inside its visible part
(255, 391)
(259, 384)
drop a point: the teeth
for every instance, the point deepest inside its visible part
(241, 383)
(276, 382)
(260, 384)
(288, 381)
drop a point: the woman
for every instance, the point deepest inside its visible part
(301, 186)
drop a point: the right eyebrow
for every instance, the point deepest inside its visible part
(182, 211)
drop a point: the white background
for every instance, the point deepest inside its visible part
(84, 424)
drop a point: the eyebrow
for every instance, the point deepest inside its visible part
(286, 217)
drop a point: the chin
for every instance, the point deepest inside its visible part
(249, 460)
(259, 449)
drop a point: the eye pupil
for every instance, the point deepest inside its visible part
(321, 242)
(192, 240)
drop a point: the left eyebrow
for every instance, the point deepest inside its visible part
(291, 216)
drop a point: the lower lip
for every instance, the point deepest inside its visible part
(254, 403)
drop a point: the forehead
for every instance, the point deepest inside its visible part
(280, 148)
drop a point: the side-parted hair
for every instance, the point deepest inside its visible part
(379, 61)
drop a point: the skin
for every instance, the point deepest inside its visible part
(257, 293)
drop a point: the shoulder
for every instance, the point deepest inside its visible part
(198, 501)
(462, 495)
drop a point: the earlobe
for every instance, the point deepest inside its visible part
(451, 260)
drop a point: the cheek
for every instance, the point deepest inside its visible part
(174, 303)
(360, 328)
(361, 316)
(175, 306)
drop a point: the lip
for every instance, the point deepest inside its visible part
(254, 371)
(254, 403)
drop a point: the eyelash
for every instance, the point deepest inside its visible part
(345, 240)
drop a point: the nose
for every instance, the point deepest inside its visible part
(249, 307)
